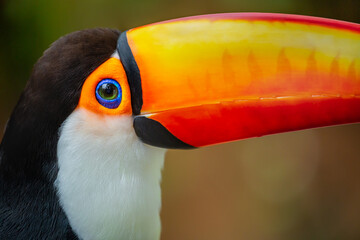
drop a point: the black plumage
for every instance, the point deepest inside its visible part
(29, 206)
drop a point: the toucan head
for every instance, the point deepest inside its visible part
(190, 82)
(97, 96)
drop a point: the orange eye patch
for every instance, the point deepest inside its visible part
(111, 69)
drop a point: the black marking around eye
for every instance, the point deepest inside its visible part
(132, 73)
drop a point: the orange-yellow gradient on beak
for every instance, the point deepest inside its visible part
(223, 77)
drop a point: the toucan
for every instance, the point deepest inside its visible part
(83, 150)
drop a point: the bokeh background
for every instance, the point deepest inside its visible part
(302, 185)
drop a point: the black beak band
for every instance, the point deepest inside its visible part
(132, 73)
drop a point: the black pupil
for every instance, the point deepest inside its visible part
(108, 91)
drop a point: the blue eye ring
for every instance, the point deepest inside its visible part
(109, 103)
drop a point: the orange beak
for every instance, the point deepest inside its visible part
(215, 78)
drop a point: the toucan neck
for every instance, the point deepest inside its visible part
(28, 148)
(108, 180)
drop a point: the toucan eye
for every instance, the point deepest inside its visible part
(108, 93)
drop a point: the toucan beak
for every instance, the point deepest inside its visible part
(215, 78)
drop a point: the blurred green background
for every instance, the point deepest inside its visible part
(302, 185)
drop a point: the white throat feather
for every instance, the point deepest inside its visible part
(108, 180)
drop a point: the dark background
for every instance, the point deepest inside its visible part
(302, 185)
